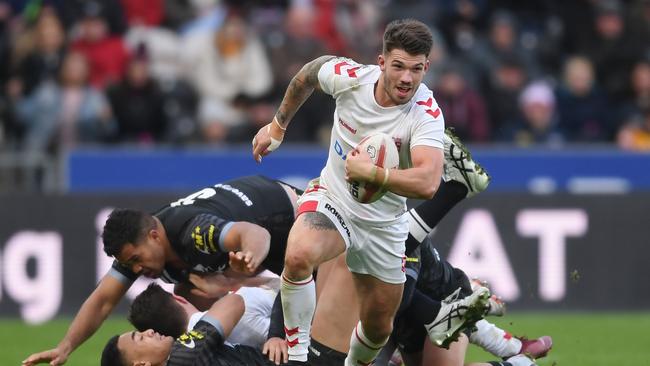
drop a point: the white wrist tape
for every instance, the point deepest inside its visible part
(274, 143)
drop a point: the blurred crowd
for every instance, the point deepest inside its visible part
(151, 72)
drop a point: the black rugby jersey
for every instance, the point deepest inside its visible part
(434, 276)
(195, 223)
(203, 346)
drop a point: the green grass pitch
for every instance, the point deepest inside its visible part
(580, 339)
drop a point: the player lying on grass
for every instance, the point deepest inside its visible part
(202, 346)
(173, 315)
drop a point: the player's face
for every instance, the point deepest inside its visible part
(146, 258)
(402, 74)
(145, 346)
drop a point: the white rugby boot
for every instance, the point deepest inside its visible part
(460, 167)
(457, 315)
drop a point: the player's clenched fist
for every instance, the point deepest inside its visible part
(267, 139)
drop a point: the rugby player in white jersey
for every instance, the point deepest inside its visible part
(388, 98)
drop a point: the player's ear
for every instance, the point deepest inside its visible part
(381, 61)
(154, 234)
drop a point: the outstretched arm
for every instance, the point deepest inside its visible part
(90, 317)
(269, 137)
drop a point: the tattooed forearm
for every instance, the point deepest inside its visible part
(299, 89)
(318, 221)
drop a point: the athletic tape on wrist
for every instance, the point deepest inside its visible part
(274, 143)
(373, 174)
(386, 174)
(279, 125)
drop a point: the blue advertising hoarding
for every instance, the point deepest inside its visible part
(515, 170)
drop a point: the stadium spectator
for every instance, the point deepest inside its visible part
(359, 25)
(137, 103)
(143, 12)
(505, 85)
(297, 46)
(73, 12)
(538, 124)
(178, 13)
(165, 61)
(60, 115)
(613, 48)
(585, 112)
(106, 54)
(8, 130)
(635, 135)
(439, 58)
(638, 96)
(44, 61)
(222, 65)
(461, 22)
(503, 41)
(464, 108)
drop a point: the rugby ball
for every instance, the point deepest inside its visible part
(384, 154)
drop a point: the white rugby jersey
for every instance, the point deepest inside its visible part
(253, 327)
(357, 114)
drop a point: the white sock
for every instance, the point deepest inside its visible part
(298, 305)
(362, 350)
(418, 228)
(521, 360)
(495, 340)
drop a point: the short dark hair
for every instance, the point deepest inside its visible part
(125, 226)
(155, 308)
(409, 35)
(111, 356)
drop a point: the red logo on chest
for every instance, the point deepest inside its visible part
(347, 126)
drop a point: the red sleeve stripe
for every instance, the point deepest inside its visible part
(308, 206)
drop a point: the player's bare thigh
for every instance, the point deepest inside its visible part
(337, 310)
(313, 239)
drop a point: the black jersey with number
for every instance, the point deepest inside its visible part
(204, 346)
(195, 223)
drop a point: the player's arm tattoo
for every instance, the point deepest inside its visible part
(299, 89)
(318, 221)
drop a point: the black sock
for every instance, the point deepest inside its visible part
(423, 309)
(432, 211)
(448, 195)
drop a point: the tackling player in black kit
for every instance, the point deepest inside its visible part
(241, 223)
(248, 217)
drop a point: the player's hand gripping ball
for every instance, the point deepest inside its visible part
(384, 154)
